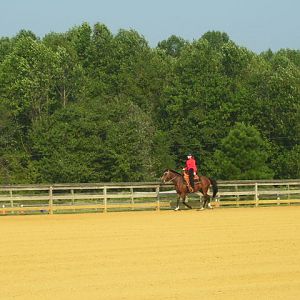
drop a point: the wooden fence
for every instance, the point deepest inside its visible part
(59, 198)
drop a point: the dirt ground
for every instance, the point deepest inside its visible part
(239, 253)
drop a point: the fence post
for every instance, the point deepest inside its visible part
(256, 194)
(51, 200)
(73, 200)
(105, 198)
(3, 210)
(237, 199)
(72, 193)
(217, 201)
(11, 201)
(132, 199)
(157, 197)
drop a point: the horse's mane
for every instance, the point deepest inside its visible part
(173, 171)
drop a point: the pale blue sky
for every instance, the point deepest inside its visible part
(255, 24)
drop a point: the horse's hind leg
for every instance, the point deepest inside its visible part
(206, 197)
(208, 203)
(203, 203)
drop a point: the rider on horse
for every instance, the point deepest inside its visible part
(191, 170)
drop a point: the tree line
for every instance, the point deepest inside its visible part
(87, 105)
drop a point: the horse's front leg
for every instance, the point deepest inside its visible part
(177, 205)
(183, 201)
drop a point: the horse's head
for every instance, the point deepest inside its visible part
(168, 176)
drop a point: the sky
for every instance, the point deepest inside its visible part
(258, 25)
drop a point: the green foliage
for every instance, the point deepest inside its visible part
(88, 105)
(286, 162)
(173, 45)
(14, 157)
(243, 155)
(216, 38)
(69, 77)
(100, 140)
(26, 79)
(5, 48)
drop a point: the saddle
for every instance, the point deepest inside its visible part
(187, 180)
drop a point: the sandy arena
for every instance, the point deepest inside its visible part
(242, 253)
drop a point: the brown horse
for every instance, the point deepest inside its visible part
(182, 189)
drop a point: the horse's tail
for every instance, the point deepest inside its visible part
(214, 187)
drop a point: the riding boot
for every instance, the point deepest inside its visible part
(190, 188)
(191, 180)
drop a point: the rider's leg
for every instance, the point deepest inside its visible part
(191, 177)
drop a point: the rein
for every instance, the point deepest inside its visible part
(169, 181)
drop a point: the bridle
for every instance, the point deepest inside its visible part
(170, 180)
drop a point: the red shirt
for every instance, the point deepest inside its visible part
(191, 164)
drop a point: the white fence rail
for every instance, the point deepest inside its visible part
(138, 196)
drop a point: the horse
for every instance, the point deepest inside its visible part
(182, 188)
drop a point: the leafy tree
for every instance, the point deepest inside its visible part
(243, 154)
(55, 40)
(70, 78)
(285, 163)
(292, 55)
(101, 65)
(80, 39)
(235, 59)
(173, 45)
(192, 100)
(102, 140)
(138, 72)
(291, 163)
(274, 94)
(25, 34)
(216, 39)
(14, 157)
(87, 105)
(26, 79)
(162, 158)
(5, 48)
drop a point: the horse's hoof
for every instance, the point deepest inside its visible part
(209, 206)
(202, 208)
(176, 209)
